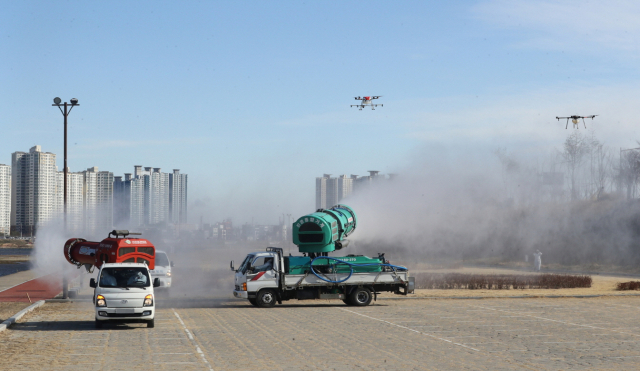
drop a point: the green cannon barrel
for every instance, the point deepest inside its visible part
(325, 230)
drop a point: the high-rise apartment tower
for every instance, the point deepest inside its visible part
(330, 191)
(5, 200)
(33, 189)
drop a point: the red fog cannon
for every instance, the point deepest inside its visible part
(116, 249)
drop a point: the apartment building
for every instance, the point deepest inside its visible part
(326, 191)
(178, 197)
(128, 201)
(75, 206)
(33, 189)
(97, 200)
(330, 191)
(5, 200)
(149, 197)
(156, 196)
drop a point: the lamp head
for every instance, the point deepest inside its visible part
(74, 100)
(57, 100)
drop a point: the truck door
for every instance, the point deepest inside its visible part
(263, 272)
(241, 273)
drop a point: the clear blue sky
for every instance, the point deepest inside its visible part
(251, 99)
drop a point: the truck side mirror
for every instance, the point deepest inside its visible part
(173, 264)
(156, 282)
(92, 283)
(231, 265)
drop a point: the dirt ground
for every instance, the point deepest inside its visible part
(490, 335)
(8, 309)
(10, 259)
(602, 285)
(12, 244)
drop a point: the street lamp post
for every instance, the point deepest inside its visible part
(290, 235)
(57, 102)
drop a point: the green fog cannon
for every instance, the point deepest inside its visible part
(324, 231)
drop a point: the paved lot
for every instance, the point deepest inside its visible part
(490, 334)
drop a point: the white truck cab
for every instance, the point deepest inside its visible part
(124, 293)
(258, 271)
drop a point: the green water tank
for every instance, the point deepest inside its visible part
(300, 264)
(354, 259)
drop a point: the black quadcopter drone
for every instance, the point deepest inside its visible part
(574, 120)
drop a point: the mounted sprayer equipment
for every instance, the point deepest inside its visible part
(117, 249)
(325, 230)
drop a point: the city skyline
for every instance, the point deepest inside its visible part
(31, 193)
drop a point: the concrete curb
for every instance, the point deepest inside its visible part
(510, 297)
(4, 325)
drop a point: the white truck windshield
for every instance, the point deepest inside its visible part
(124, 277)
(162, 259)
(245, 264)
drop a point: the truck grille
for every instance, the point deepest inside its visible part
(238, 288)
(124, 314)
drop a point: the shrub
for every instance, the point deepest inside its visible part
(631, 285)
(450, 281)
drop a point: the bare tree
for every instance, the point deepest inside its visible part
(600, 167)
(522, 183)
(509, 167)
(575, 149)
(629, 170)
(603, 168)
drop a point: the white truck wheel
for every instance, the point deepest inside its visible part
(266, 298)
(361, 297)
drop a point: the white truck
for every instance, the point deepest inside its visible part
(265, 278)
(162, 270)
(124, 293)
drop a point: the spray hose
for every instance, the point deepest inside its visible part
(351, 265)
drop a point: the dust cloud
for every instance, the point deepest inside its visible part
(47, 255)
(487, 206)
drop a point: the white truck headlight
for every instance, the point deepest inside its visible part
(100, 301)
(148, 301)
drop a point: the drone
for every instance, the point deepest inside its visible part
(366, 101)
(574, 120)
